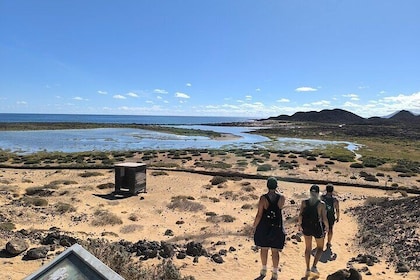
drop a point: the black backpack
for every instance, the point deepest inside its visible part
(273, 212)
(329, 204)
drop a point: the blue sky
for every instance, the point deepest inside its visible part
(213, 58)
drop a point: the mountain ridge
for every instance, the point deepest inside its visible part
(341, 116)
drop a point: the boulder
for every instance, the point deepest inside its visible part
(37, 253)
(16, 246)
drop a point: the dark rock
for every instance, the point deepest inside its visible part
(232, 249)
(217, 258)
(195, 249)
(180, 222)
(220, 243)
(16, 246)
(181, 255)
(169, 232)
(402, 268)
(354, 275)
(166, 250)
(67, 241)
(37, 253)
(195, 260)
(223, 252)
(341, 274)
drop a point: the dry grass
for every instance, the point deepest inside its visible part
(221, 218)
(131, 228)
(184, 204)
(103, 217)
(36, 201)
(64, 207)
(90, 174)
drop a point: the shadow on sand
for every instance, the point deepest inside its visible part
(327, 255)
(113, 196)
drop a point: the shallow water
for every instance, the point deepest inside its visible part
(123, 139)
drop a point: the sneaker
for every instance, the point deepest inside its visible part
(263, 271)
(274, 276)
(328, 245)
(314, 270)
(307, 273)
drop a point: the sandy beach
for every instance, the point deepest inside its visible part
(155, 216)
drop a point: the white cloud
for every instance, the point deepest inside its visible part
(102, 92)
(78, 98)
(283, 100)
(160, 91)
(22, 103)
(149, 102)
(165, 101)
(257, 89)
(248, 97)
(159, 97)
(305, 89)
(352, 96)
(181, 95)
(382, 92)
(362, 87)
(188, 84)
(321, 103)
(132, 94)
(119, 96)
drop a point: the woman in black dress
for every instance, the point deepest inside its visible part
(313, 222)
(268, 227)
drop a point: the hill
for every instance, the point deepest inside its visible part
(340, 116)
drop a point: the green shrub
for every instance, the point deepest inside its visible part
(264, 167)
(356, 165)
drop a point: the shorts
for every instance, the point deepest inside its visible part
(315, 230)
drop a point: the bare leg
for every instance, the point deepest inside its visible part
(319, 249)
(264, 256)
(308, 250)
(275, 255)
(330, 235)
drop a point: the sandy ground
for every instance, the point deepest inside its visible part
(153, 218)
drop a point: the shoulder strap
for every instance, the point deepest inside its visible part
(276, 200)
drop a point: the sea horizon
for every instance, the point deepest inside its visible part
(101, 118)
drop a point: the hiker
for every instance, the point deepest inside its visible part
(313, 222)
(268, 227)
(333, 208)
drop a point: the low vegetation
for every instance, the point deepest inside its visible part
(185, 204)
(102, 217)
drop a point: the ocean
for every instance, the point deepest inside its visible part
(123, 119)
(124, 139)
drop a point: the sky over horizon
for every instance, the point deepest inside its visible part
(209, 58)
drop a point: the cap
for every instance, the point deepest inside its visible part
(314, 188)
(272, 183)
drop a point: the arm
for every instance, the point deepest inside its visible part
(259, 213)
(302, 206)
(337, 210)
(281, 202)
(322, 209)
